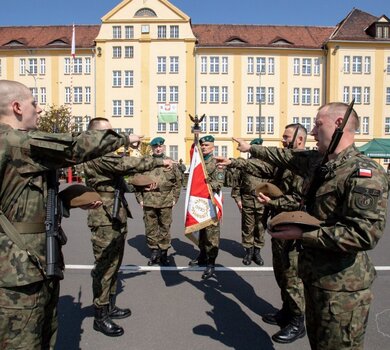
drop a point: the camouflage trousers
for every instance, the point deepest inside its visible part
(157, 225)
(108, 243)
(209, 240)
(285, 265)
(28, 316)
(252, 229)
(336, 320)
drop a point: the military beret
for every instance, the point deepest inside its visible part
(269, 190)
(300, 218)
(157, 141)
(78, 195)
(257, 141)
(141, 180)
(207, 138)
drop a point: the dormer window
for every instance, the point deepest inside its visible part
(382, 31)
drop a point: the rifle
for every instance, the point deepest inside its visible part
(55, 237)
(291, 143)
(119, 196)
(320, 170)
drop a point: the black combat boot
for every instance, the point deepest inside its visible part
(257, 257)
(248, 256)
(103, 323)
(293, 331)
(114, 312)
(154, 257)
(201, 260)
(280, 318)
(210, 269)
(164, 258)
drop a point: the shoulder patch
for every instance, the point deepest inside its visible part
(364, 172)
(366, 198)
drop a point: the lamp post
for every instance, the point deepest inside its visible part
(35, 80)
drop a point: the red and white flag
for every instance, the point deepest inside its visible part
(202, 207)
(73, 49)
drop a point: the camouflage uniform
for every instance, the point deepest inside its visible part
(108, 234)
(210, 235)
(28, 301)
(334, 265)
(157, 205)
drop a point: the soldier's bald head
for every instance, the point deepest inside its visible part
(335, 110)
(99, 123)
(9, 92)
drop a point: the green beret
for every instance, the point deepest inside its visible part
(258, 141)
(207, 138)
(269, 190)
(300, 218)
(157, 141)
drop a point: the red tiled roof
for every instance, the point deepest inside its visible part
(41, 36)
(211, 35)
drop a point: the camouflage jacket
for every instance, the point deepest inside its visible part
(103, 174)
(25, 158)
(169, 186)
(352, 202)
(249, 173)
(215, 175)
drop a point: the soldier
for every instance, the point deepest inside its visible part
(157, 205)
(109, 227)
(182, 169)
(284, 253)
(250, 172)
(209, 236)
(349, 194)
(28, 298)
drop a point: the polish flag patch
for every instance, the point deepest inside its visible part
(365, 172)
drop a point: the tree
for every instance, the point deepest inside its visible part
(56, 120)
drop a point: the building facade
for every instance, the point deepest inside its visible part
(248, 80)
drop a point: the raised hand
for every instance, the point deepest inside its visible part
(135, 140)
(242, 146)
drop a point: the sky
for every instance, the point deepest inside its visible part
(278, 12)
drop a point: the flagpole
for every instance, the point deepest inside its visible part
(73, 53)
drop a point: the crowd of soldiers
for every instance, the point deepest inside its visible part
(322, 269)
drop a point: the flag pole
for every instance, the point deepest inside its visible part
(73, 54)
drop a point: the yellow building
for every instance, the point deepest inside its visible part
(148, 57)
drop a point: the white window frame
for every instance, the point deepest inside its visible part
(225, 65)
(161, 64)
(174, 64)
(224, 94)
(128, 78)
(250, 65)
(203, 94)
(224, 124)
(249, 125)
(129, 108)
(116, 108)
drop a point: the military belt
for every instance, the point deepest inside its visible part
(24, 227)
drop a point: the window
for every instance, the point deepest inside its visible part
(203, 125)
(347, 64)
(357, 94)
(356, 64)
(116, 32)
(116, 78)
(216, 150)
(316, 66)
(129, 32)
(346, 94)
(214, 94)
(174, 32)
(271, 95)
(224, 124)
(296, 96)
(67, 66)
(68, 96)
(306, 96)
(366, 125)
(174, 152)
(116, 52)
(214, 65)
(366, 95)
(295, 120)
(145, 29)
(306, 66)
(270, 125)
(367, 65)
(271, 65)
(78, 94)
(129, 51)
(87, 65)
(129, 78)
(203, 64)
(22, 66)
(161, 32)
(249, 125)
(116, 108)
(87, 94)
(174, 64)
(78, 123)
(174, 94)
(161, 64)
(77, 65)
(224, 152)
(250, 65)
(203, 94)
(161, 94)
(33, 66)
(260, 65)
(43, 96)
(306, 122)
(225, 65)
(387, 125)
(388, 65)
(34, 92)
(129, 108)
(42, 66)
(173, 127)
(388, 96)
(250, 94)
(129, 130)
(260, 94)
(296, 66)
(214, 124)
(262, 124)
(161, 127)
(224, 94)
(316, 96)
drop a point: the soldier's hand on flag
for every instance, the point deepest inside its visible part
(222, 160)
(242, 146)
(135, 140)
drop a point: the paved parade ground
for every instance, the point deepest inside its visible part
(173, 309)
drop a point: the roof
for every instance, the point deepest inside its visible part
(47, 36)
(212, 35)
(376, 148)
